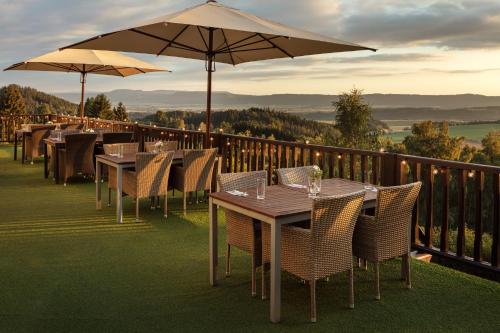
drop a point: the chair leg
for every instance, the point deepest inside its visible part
(263, 281)
(254, 273)
(165, 206)
(152, 203)
(351, 288)
(158, 202)
(136, 209)
(407, 271)
(365, 264)
(377, 281)
(312, 284)
(109, 197)
(359, 262)
(228, 260)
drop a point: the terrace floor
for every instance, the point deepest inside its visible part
(66, 267)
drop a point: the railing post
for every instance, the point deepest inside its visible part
(389, 170)
(495, 251)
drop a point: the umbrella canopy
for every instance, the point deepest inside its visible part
(87, 62)
(216, 33)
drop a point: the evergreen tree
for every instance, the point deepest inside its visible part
(11, 101)
(88, 109)
(353, 121)
(120, 112)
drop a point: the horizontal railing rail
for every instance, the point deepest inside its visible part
(457, 215)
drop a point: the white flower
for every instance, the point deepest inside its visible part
(159, 144)
(89, 130)
(316, 168)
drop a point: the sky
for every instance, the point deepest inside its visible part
(424, 47)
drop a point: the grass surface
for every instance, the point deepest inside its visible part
(471, 132)
(66, 267)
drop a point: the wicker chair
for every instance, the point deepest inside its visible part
(149, 179)
(71, 126)
(34, 143)
(117, 137)
(195, 173)
(323, 250)
(78, 156)
(149, 147)
(128, 149)
(297, 175)
(242, 231)
(387, 234)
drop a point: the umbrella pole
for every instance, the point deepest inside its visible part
(82, 81)
(210, 59)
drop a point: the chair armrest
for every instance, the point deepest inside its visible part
(296, 239)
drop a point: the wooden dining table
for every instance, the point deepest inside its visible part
(282, 205)
(120, 164)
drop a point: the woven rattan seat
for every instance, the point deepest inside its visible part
(323, 250)
(387, 234)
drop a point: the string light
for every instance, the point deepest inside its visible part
(403, 162)
(339, 156)
(317, 154)
(211, 139)
(435, 171)
(307, 142)
(471, 174)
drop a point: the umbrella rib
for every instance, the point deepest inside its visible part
(247, 44)
(58, 66)
(97, 69)
(276, 46)
(173, 40)
(237, 42)
(246, 50)
(202, 38)
(167, 40)
(229, 49)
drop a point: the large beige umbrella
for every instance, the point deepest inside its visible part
(86, 62)
(216, 33)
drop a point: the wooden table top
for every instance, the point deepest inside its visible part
(130, 158)
(285, 201)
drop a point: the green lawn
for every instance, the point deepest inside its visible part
(66, 267)
(472, 132)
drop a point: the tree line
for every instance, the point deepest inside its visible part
(17, 100)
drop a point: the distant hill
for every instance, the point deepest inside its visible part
(40, 102)
(140, 100)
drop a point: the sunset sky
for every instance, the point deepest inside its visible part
(425, 47)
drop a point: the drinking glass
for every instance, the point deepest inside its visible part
(120, 151)
(313, 187)
(261, 188)
(59, 135)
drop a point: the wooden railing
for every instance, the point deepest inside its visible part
(459, 204)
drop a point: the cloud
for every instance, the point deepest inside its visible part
(459, 24)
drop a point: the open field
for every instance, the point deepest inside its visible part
(472, 132)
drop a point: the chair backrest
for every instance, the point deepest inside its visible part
(38, 133)
(198, 165)
(152, 173)
(128, 148)
(297, 175)
(149, 147)
(71, 126)
(117, 137)
(332, 226)
(80, 150)
(393, 218)
(240, 180)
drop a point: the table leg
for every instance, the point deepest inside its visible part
(15, 145)
(23, 149)
(45, 161)
(119, 194)
(98, 185)
(212, 241)
(275, 272)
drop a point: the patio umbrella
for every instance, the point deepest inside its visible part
(86, 62)
(215, 33)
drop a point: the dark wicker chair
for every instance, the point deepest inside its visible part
(323, 250)
(117, 137)
(242, 231)
(298, 175)
(78, 156)
(195, 173)
(34, 143)
(149, 179)
(387, 234)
